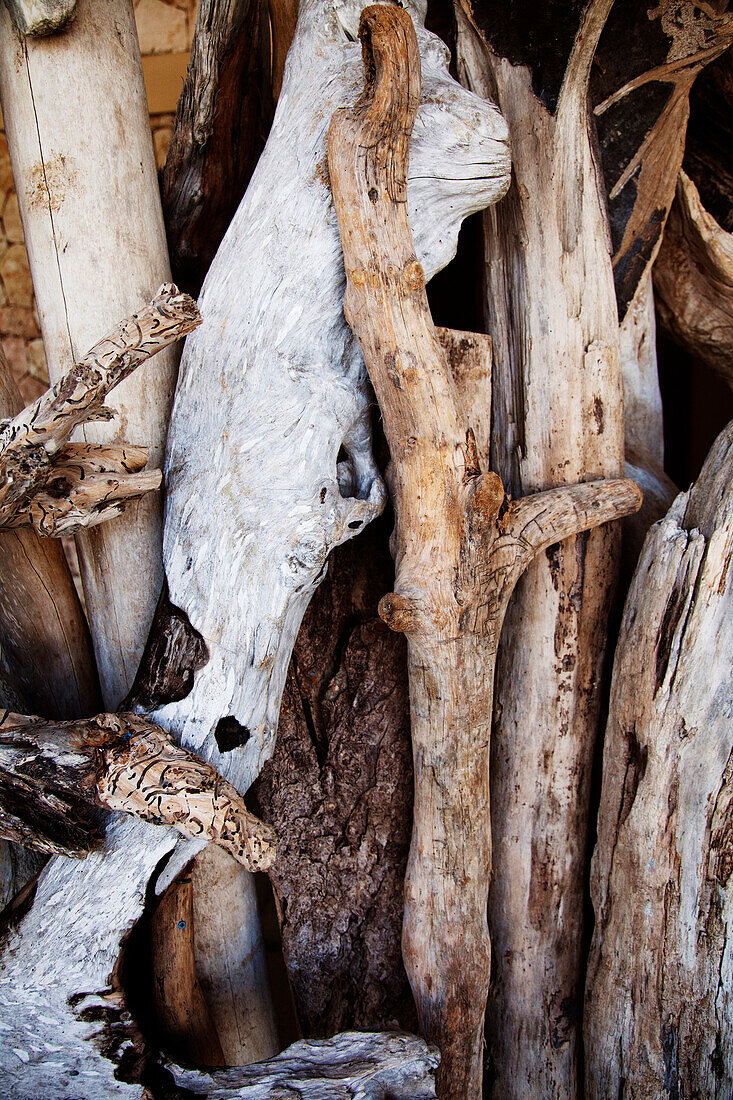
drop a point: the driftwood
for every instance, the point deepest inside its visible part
(259, 491)
(658, 1004)
(60, 487)
(78, 132)
(54, 776)
(460, 547)
(693, 278)
(41, 17)
(222, 116)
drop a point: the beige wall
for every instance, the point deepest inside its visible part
(165, 28)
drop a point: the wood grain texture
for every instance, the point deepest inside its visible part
(222, 118)
(78, 132)
(658, 1018)
(41, 17)
(460, 547)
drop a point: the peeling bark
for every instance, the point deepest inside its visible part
(658, 1013)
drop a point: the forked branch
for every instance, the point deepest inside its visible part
(461, 545)
(58, 486)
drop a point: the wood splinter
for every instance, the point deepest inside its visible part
(56, 776)
(60, 487)
(461, 545)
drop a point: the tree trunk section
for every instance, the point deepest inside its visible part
(79, 136)
(658, 1018)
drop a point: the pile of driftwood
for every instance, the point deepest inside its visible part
(133, 960)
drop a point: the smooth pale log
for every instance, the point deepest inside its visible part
(45, 641)
(222, 117)
(658, 1011)
(230, 958)
(79, 137)
(187, 1029)
(693, 278)
(269, 462)
(460, 547)
(557, 417)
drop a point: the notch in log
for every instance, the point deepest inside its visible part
(460, 547)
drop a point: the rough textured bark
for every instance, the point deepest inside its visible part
(693, 278)
(79, 137)
(658, 1017)
(41, 17)
(551, 300)
(460, 547)
(222, 118)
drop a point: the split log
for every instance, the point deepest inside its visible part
(693, 278)
(78, 132)
(222, 117)
(45, 643)
(270, 466)
(60, 487)
(56, 775)
(658, 1018)
(460, 547)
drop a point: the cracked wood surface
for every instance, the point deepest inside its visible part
(60, 487)
(658, 1016)
(460, 547)
(78, 132)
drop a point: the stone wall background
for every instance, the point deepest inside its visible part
(165, 29)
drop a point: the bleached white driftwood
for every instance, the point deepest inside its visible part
(269, 463)
(658, 1011)
(78, 132)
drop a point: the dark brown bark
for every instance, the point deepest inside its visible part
(222, 120)
(340, 785)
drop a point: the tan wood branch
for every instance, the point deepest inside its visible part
(60, 487)
(54, 774)
(460, 547)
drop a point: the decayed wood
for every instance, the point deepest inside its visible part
(41, 17)
(55, 775)
(557, 417)
(260, 490)
(460, 547)
(188, 1032)
(46, 649)
(346, 1067)
(222, 116)
(60, 487)
(283, 17)
(658, 1017)
(78, 131)
(693, 278)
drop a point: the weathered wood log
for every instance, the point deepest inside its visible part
(460, 547)
(658, 1015)
(693, 278)
(260, 489)
(78, 131)
(222, 118)
(340, 780)
(56, 775)
(45, 643)
(41, 17)
(60, 487)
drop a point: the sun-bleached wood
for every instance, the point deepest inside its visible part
(693, 278)
(260, 489)
(60, 487)
(41, 17)
(57, 772)
(78, 132)
(557, 418)
(460, 547)
(658, 1011)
